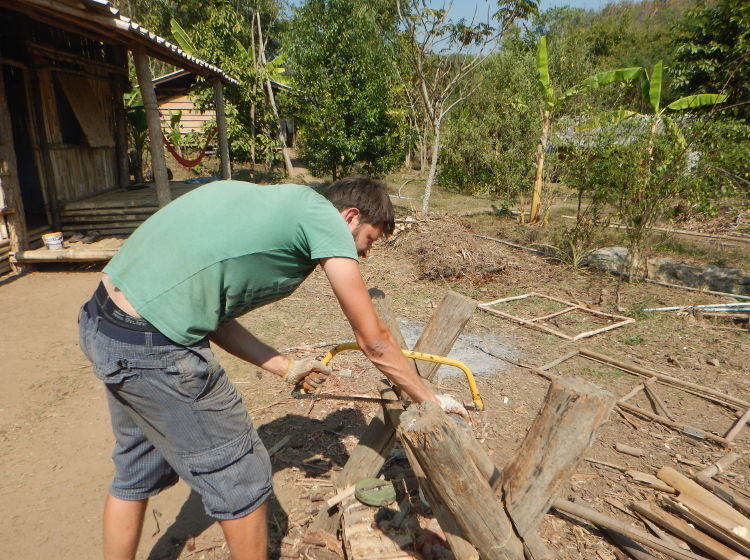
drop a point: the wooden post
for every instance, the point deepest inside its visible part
(443, 330)
(221, 123)
(10, 186)
(556, 441)
(158, 161)
(436, 443)
(121, 134)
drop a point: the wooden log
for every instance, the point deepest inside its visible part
(701, 390)
(443, 329)
(461, 547)
(689, 534)
(686, 486)
(556, 441)
(436, 444)
(607, 522)
(158, 161)
(120, 84)
(221, 123)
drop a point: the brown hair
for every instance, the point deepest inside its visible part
(366, 195)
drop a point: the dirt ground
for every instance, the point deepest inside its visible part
(56, 439)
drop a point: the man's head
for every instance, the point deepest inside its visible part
(364, 204)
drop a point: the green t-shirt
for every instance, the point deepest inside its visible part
(223, 249)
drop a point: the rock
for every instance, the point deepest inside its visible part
(665, 269)
(712, 362)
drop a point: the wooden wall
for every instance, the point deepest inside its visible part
(192, 119)
(75, 171)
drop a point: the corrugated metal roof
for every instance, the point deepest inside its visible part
(125, 27)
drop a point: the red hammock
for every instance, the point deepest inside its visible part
(189, 162)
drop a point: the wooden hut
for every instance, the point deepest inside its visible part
(63, 137)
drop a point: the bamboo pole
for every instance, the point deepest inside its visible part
(607, 522)
(221, 123)
(689, 534)
(150, 104)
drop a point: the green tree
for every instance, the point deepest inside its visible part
(340, 63)
(443, 54)
(713, 52)
(660, 156)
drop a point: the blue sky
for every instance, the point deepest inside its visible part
(466, 8)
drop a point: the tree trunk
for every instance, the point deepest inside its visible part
(433, 167)
(272, 101)
(158, 162)
(254, 91)
(536, 194)
(221, 123)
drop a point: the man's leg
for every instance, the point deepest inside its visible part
(123, 521)
(247, 536)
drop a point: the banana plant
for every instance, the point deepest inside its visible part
(552, 103)
(641, 205)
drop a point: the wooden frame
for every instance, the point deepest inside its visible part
(652, 376)
(570, 307)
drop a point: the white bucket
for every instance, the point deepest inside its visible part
(53, 241)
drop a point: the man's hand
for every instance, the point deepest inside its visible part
(311, 373)
(451, 405)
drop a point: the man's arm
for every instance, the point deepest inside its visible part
(372, 335)
(238, 341)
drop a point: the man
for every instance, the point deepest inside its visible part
(179, 282)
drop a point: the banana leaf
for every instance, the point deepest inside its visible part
(654, 87)
(542, 71)
(698, 100)
(606, 119)
(182, 38)
(610, 77)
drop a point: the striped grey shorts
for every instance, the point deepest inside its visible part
(175, 414)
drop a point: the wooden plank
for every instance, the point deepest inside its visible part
(726, 493)
(687, 533)
(709, 521)
(735, 430)
(443, 329)
(680, 427)
(436, 443)
(562, 431)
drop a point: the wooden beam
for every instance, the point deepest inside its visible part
(63, 255)
(443, 329)
(556, 441)
(221, 123)
(158, 161)
(10, 186)
(436, 444)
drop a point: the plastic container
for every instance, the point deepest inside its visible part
(53, 241)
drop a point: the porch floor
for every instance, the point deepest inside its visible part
(109, 217)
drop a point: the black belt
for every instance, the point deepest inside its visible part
(118, 325)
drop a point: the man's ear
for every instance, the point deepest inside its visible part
(352, 216)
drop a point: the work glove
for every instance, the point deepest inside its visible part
(310, 373)
(452, 405)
